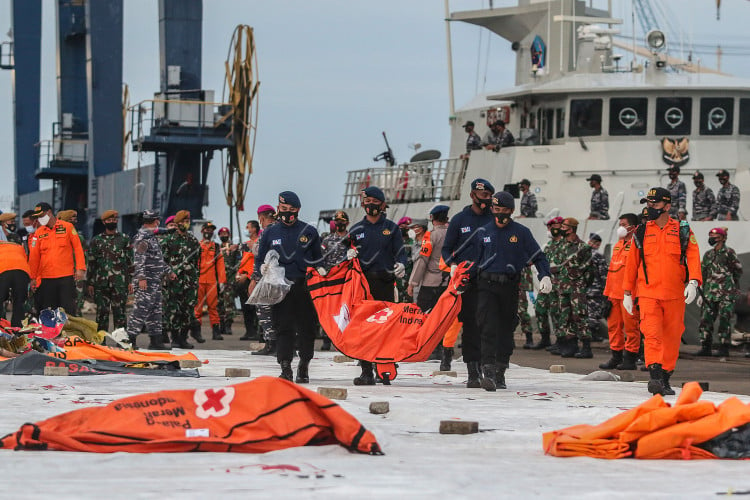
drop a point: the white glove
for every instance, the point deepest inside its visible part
(699, 301)
(399, 270)
(351, 253)
(322, 271)
(264, 268)
(627, 303)
(545, 285)
(453, 269)
(691, 290)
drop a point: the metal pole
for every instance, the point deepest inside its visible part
(450, 62)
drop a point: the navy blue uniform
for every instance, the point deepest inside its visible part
(508, 250)
(298, 247)
(379, 247)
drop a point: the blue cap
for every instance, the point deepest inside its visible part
(438, 209)
(482, 184)
(373, 192)
(503, 199)
(290, 198)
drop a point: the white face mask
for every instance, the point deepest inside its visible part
(43, 220)
(622, 232)
(412, 234)
(29, 229)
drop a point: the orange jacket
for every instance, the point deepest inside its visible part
(56, 252)
(666, 275)
(248, 259)
(616, 274)
(13, 258)
(212, 263)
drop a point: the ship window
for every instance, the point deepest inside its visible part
(745, 116)
(560, 122)
(585, 117)
(717, 115)
(673, 115)
(627, 116)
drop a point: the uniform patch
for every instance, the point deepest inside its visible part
(693, 240)
(487, 239)
(466, 229)
(386, 232)
(303, 239)
(75, 233)
(141, 247)
(276, 242)
(59, 230)
(359, 236)
(514, 239)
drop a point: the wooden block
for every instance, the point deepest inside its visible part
(557, 369)
(458, 427)
(237, 372)
(380, 407)
(190, 363)
(627, 376)
(447, 374)
(332, 392)
(56, 371)
(340, 358)
(255, 346)
(704, 385)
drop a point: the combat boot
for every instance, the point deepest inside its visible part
(133, 341)
(216, 333)
(488, 378)
(656, 380)
(542, 344)
(195, 332)
(445, 362)
(179, 340)
(556, 348)
(570, 349)
(157, 344)
(585, 352)
(628, 361)
(437, 353)
(165, 337)
(475, 376)
(500, 375)
(302, 373)
(668, 391)
(286, 370)
(705, 349)
(613, 361)
(722, 351)
(529, 341)
(226, 327)
(366, 377)
(269, 349)
(326, 345)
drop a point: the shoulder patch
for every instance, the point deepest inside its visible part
(693, 240)
(303, 239)
(75, 233)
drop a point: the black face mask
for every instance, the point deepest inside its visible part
(341, 228)
(555, 232)
(111, 226)
(654, 213)
(712, 241)
(224, 239)
(405, 232)
(288, 217)
(482, 204)
(11, 228)
(372, 209)
(208, 236)
(502, 218)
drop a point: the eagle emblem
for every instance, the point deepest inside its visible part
(675, 151)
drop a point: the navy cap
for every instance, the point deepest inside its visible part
(503, 199)
(439, 209)
(290, 198)
(482, 184)
(149, 215)
(595, 237)
(373, 192)
(657, 194)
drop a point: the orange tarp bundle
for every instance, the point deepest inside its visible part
(653, 429)
(263, 415)
(375, 330)
(78, 348)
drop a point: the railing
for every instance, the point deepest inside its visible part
(423, 181)
(74, 150)
(164, 114)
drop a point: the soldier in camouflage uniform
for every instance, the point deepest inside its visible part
(266, 217)
(727, 200)
(599, 199)
(678, 191)
(182, 254)
(526, 284)
(545, 302)
(528, 199)
(597, 275)
(721, 271)
(232, 257)
(71, 216)
(110, 268)
(574, 258)
(473, 141)
(404, 223)
(335, 247)
(149, 269)
(703, 199)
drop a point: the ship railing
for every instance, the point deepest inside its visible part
(414, 182)
(59, 149)
(160, 115)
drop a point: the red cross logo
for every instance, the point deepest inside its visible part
(380, 316)
(213, 402)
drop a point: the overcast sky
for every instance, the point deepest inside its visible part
(334, 75)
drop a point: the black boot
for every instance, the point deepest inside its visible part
(179, 340)
(326, 345)
(570, 349)
(668, 391)
(628, 361)
(722, 351)
(437, 353)
(366, 377)
(165, 337)
(249, 335)
(216, 333)
(286, 370)
(302, 375)
(705, 349)
(500, 375)
(445, 362)
(556, 348)
(195, 332)
(475, 377)
(585, 352)
(226, 329)
(529, 341)
(488, 378)
(613, 362)
(267, 350)
(656, 380)
(542, 344)
(157, 344)
(133, 341)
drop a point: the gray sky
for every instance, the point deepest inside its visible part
(334, 75)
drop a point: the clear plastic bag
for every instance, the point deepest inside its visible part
(273, 285)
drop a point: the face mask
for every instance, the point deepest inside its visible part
(288, 217)
(554, 232)
(622, 232)
(502, 218)
(411, 234)
(43, 221)
(110, 225)
(208, 236)
(341, 228)
(653, 213)
(224, 239)
(29, 229)
(372, 209)
(712, 241)
(183, 227)
(481, 203)
(11, 228)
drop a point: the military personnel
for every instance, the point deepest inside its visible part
(110, 269)
(231, 254)
(149, 269)
(242, 279)
(71, 216)
(407, 235)
(266, 218)
(703, 199)
(727, 199)
(335, 247)
(211, 281)
(27, 230)
(473, 141)
(599, 199)
(545, 303)
(497, 137)
(677, 190)
(721, 271)
(528, 199)
(8, 224)
(525, 285)
(597, 278)
(182, 253)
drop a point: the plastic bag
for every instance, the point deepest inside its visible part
(273, 285)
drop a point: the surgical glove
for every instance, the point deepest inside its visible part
(699, 301)
(691, 290)
(322, 271)
(545, 285)
(627, 303)
(351, 253)
(453, 269)
(399, 270)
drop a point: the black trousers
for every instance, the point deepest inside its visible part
(470, 336)
(57, 292)
(428, 296)
(249, 313)
(381, 286)
(497, 315)
(14, 286)
(295, 315)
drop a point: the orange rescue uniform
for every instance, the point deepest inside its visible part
(661, 299)
(212, 274)
(13, 258)
(56, 252)
(623, 329)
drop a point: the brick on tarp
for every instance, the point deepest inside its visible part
(333, 392)
(448, 373)
(237, 372)
(56, 371)
(379, 407)
(190, 363)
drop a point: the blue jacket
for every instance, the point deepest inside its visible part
(298, 247)
(508, 250)
(457, 246)
(379, 245)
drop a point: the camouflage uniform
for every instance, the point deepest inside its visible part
(110, 269)
(334, 249)
(232, 260)
(574, 261)
(403, 283)
(473, 142)
(526, 284)
(182, 254)
(599, 204)
(528, 204)
(721, 271)
(81, 285)
(149, 265)
(546, 302)
(678, 191)
(597, 274)
(703, 202)
(727, 200)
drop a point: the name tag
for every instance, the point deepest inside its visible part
(360, 236)
(487, 239)
(276, 242)
(466, 229)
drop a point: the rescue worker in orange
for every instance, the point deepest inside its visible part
(249, 313)
(664, 277)
(56, 258)
(212, 279)
(624, 333)
(14, 279)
